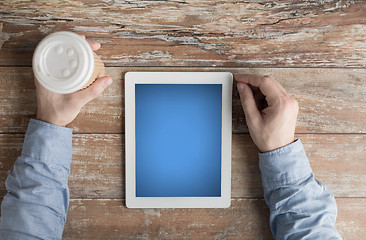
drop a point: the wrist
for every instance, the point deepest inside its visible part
(50, 120)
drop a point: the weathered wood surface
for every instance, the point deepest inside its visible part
(245, 219)
(331, 100)
(97, 169)
(110, 219)
(323, 43)
(18, 103)
(194, 33)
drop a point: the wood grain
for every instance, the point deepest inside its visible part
(316, 50)
(97, 169)
(194, 33)
(331, 100)
(351, 219)
(18, 104)
(110, 219)
(245, 219)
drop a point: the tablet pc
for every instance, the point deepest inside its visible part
(178, 139)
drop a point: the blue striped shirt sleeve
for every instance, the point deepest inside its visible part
(300, 206)
(37, 198)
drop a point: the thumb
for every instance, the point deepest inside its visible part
(86, 95)
(251, 111)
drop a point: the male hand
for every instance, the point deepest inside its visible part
(62, 109)
(270, 111)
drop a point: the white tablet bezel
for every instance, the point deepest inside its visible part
(224, 78)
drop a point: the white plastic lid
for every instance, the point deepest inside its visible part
(63, 62)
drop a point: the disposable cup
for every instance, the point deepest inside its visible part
(64, 62)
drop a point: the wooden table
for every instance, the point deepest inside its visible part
(316, 49)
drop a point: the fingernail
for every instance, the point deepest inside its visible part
(240, 87)
(98, 45)
(107, 82)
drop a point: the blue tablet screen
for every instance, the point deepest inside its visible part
(178, 140)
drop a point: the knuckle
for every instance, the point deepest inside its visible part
(289, 102)
(284, 100)
(245, 101)
(294, 102)
(266, 80)
(271, 77)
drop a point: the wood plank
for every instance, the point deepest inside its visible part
(351, 221)
(337, 160)
(110, 219)
(18, 104)
(97, 169)
(331, 100)
(245, 219)
(195, 33)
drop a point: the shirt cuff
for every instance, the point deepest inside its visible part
(284, 166)
(47, 142)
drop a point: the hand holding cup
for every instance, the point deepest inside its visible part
(61, 109)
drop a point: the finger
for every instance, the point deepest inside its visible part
(39, 87)
(94, 45)
(246, 78)
(84, 96)
(251, 111)
(265, 85)
(36, 82)
(282, 89)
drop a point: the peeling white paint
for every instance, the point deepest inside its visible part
(152, 212)
(46, 28)
(154, 54)
(4, 36)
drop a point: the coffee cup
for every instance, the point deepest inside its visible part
(64, 62)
